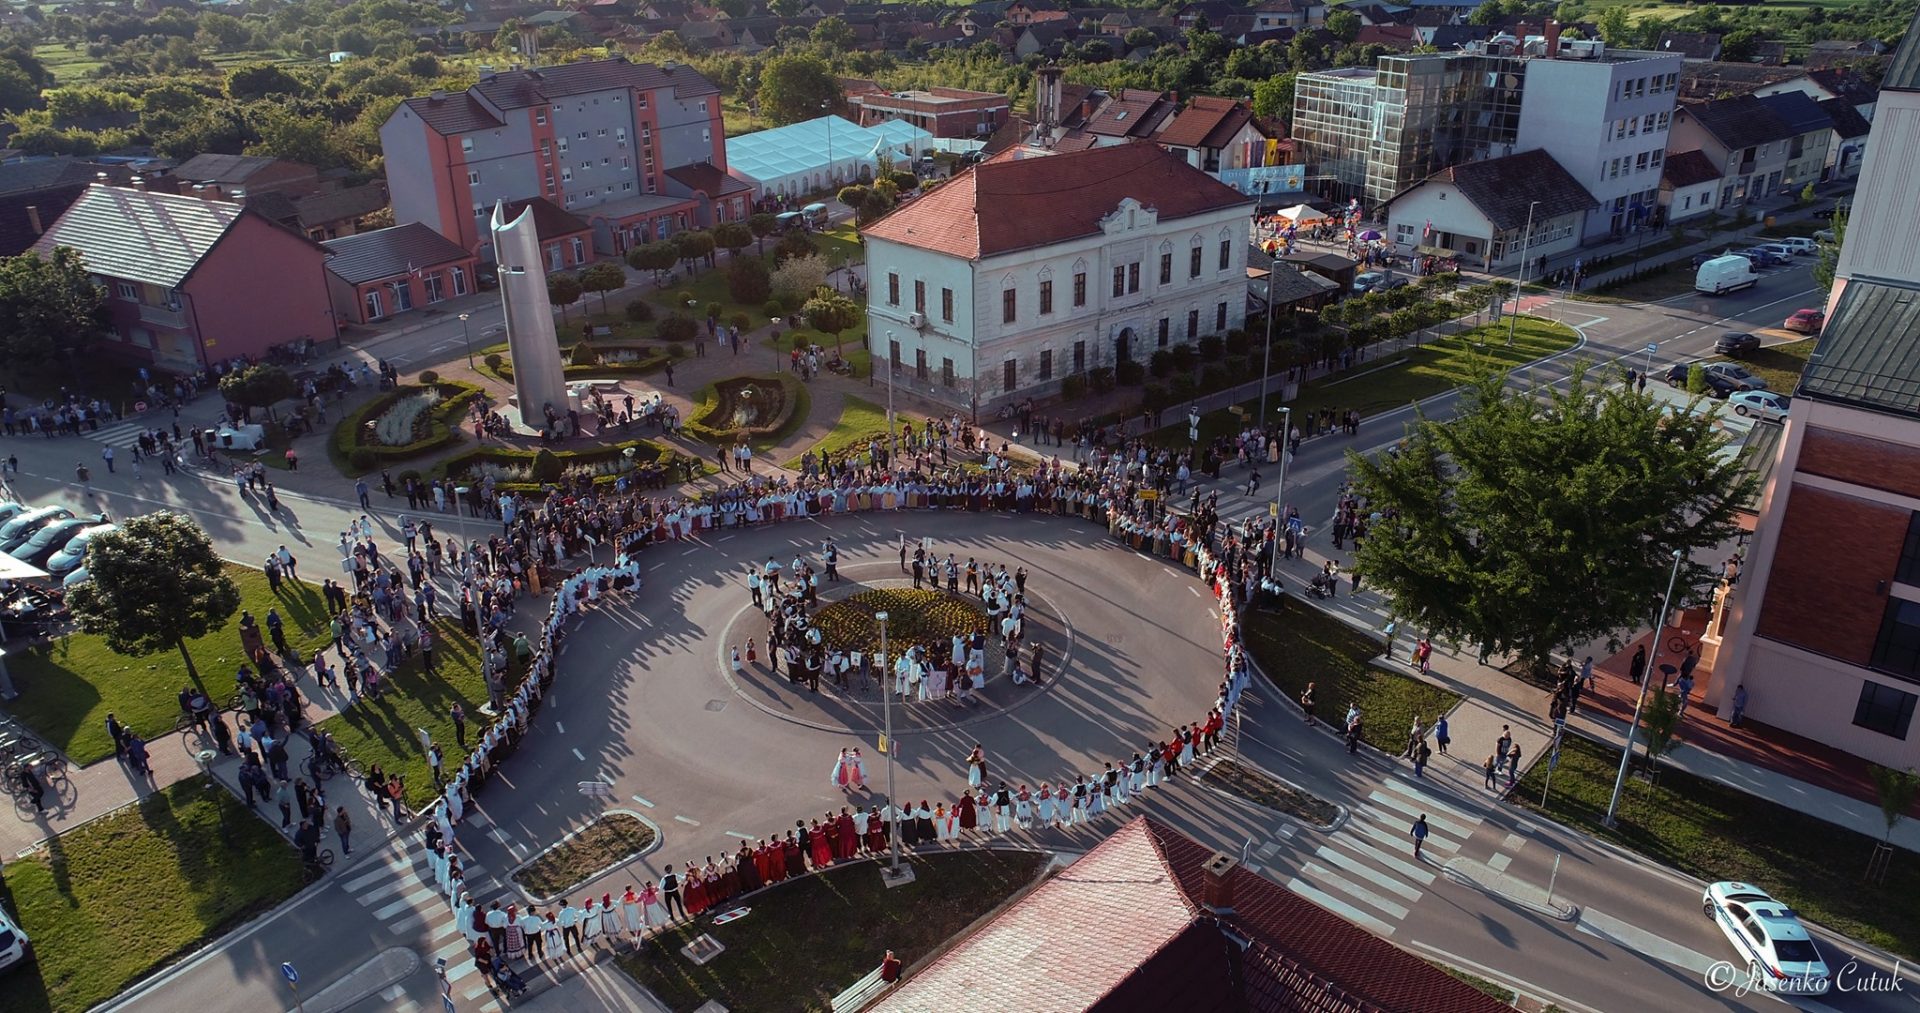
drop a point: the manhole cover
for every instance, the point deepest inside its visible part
(716, 705)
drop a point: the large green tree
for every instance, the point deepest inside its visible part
(49, 308)
(563, 290)
(795, 88)
(833, 313)
(1542, 519)
(657, 257)
(157, 583)
(603, 277)
(261, 385)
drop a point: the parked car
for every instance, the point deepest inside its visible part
(74, 553)
(1807, 321)
(51, 538)
(1781, 250)
(1366, 281)
(1799, 244)
(75, 579)
(1736, 343)
(22, 527)
(1716, 386)
(1720, 275)
(10, 510)
(1768, 935)
(1823, 236)
(1390, 283)
(1763, 257)
(1736, 375)
(1760, 404)
(13, 941)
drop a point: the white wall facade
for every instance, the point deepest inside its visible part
(1462, 228)
(1686, 202)
(1050, 336)
(1606, 122)
(1883, 236)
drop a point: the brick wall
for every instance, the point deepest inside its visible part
(1824, 593)
(1861, 460)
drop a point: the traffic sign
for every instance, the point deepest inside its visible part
(1652, 347)
(287, 972)
(446, 1003)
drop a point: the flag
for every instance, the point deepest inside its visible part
(1429, 230)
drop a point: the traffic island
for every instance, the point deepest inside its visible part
(1269, 792)
(802, 942)
(585, 855)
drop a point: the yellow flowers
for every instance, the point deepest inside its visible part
(913, 617)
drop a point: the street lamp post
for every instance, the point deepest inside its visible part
(1520, 280)
(466, 334)
(890, 442)
(893, 874)
(1626, 756)
(1279, 492)
(1266, 368)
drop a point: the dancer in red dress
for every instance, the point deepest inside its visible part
(747, 869)
(822, 842)
(969, 815)
(791, 854)
(876, 831)
(696, 891)
(843, 832)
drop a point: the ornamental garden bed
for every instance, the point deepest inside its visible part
(405, 422)
(517, 470)
(1269, 792)
(585, 361)
(762, 410)
(913, 617)
(585, 854)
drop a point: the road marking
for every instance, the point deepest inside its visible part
(1340, 907)
(642, 801)
(372, 897)
(736, 833)
(460, 970)
(446, 952)
(558, 727)
(497, 835)
(691, 551)
(1412, 810)
(410, 900)
(1500, 861)
(445, 929)
(1406, 787)
(688, 822)
(1613, 930)
(1513, 842)
(1193, 590)
(1387, 883)
(477, 991)
(1389, 908)
(1368, 822)
(387, 868)
(578, 755)
(407, 924)
(1365, 850)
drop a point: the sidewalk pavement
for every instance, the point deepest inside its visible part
(600, 985)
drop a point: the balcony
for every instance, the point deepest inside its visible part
(163, 316)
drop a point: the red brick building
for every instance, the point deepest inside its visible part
(942, 112)
(375, 275)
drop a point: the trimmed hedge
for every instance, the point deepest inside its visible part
(650, 364)
(443, 427)
(647, 453)
(797, 402)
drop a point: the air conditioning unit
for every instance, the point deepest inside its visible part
(916, 320)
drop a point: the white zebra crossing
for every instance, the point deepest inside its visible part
(1366, 871)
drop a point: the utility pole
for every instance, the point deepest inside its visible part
(1520, 280)
(1640, 700)
(1279, 492)
(1266, 368)
(894, 874)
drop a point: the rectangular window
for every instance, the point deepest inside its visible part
(466, 144)
(550, 186)
(1640, 163)
(946, 372)
(1648, 125)
(1119, 280)
(1079, 356)
(1009, 375)
(1166, 269)
(1009, 305)
(920, 364)
(1080, 288)
(919, 296)
(1193, 324)
(583, 135)
(1619, 129)
(602, 132)
(459, 281)
(566, 175)
(1046, 364)
(579, 250)
(1193, 263)
(546, 149)
(893, 355)
(893, 289)
(540, 117)
(127, 290)
(1897, 650)
(1133, 277)
(1884, 709)
(1219, 316)
(560, 143)
(1226, 254)
(1657, 156)
(946, 305)
(1907, 571)
(1046, 296)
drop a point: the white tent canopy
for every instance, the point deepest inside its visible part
(1300, 214)
(807, 157)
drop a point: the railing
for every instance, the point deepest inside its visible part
(163, 316)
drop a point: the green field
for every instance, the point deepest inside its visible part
(860, 423)
(1779, 365)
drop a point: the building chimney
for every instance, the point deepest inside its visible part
(1216, 892)
(530, 44)
(137, 182)
(33, 219)
(1553, 38)
(1046, 111)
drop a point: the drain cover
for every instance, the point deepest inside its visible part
(716, 705)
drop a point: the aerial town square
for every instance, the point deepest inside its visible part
(1350, 506)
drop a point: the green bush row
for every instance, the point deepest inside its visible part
(443, 425)
(552, 464)
(797, 403)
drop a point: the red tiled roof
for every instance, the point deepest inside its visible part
(1133, 112)
(1016, 203)
(1688, 168)
(708, 178)
(1207, 121)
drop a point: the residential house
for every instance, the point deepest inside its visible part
(1150, 919)
(1689, 186)
(1702, 82)
(1741, 136)
(721, 197)
(1133, 114)
(190, 282)
(1847, 147)
(1031, 267)
(375, 275)
(36, 192)
(1396, 38)
(1488, 212)
(1694, 47)
(1809, 133)
(566, 240)
(1212, 134)
(1289, 14)
(1836, 83)
(942, 112)
(1841, 52)
(1044, 38)
(320, 216)
(239, 175)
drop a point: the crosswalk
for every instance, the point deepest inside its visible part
(1366, 872)
(124, 435)
(399, 892)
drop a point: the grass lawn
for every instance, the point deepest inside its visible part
(68, 688)
(1296, 644)
(852, 346)
(383, 731)
(808, 939)
(1675, 280)
(110, 901)
(597, 847)
(1779, 365)
(860, 422)
(1714, 832)
(1386, 383)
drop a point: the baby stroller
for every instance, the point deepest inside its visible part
(508, 980)
(1320, 586)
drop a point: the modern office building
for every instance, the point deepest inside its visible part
(602, 139)
(1604, 115)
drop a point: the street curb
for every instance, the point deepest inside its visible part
(387, 967)
(1487, 880)
(659, 837)
(1199, 778)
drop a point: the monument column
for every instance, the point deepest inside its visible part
(539, 378)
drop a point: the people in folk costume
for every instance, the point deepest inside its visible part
(463, 916)
(694, 893)
(857, 771)
(631, 913)
(515, 945)
(1044, 803)
(876, 830)
(1023, 809)
(1156, 764)
(753, 654)
(736, 659)
(1097, 798)
(843, 771)
(822, 843)
(846, 835)
(862, 823)
(923, 822)
(590, 922)
(943, 826)
(651, 907)
(1063, 803)
(1136, 775)
(1186, 748)
(976, 766)
(610, 926)
(795, 858)
(1117, 783)
(969, 813)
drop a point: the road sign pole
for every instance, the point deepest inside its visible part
(1652, 347)
(293, 982)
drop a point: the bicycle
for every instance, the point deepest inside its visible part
(321, 766)
(322, 861)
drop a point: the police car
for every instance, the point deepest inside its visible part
(1768, 937)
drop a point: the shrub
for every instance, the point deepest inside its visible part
(1073, 386)
(741, 321)
(1156, 395)
(428, 377)
(774, 308)
(1130, 372)
(362, 459)
(494, 359)
(582, 355)
(546, 466)
(1216, 378)
(713, 311)
(1100, 378)
(1239, 342)
(1161, 363)
(675, 327)
(1211, 347)
(677, 350)
(1184, 358)
(639, 311)
(682, 298)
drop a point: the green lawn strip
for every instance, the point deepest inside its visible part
(1385, 383)
(1236, 778)
(860, 422)
(1779, 365)
(1675, 280)
(598, 846)
(1716, 832)
(852, 346)
(807, 940)
(1296, 643)
(68, 688)
(384, 731)
(110, 901)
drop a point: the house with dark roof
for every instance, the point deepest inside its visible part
(1150, 919)
(719, 196)
(1689, 185)
(576, 135)
(1840, 52)
(1809, 130)
(36, 192)
(375, 275)
(190, 281)
(1759, 144)
(1033, 266)
(1833, 82)
(240, 175)
(566, 240)
(1847, 147)
(1129, 115)
(1487, 212)
(1692, 46)
(1213, 134)
(1701, 82)
(1289, 14)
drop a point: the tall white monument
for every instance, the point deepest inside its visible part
(539, 378)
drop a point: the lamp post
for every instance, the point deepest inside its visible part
(893, 874)
(1520, 280)
(466, 334)
(1626, 757)
(889, 399)
(1266, 367)
(1279, 491)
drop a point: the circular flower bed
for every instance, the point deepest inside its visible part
(913, 617)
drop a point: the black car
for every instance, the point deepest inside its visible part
(1717, 385)
(1736, 343)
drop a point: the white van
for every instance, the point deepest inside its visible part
(1724, 274)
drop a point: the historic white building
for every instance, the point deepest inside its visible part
(1034, 266)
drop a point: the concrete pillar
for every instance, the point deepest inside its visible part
(539, 378)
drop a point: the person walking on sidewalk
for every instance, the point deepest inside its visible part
(1501, 744)
(1419, 835)
(343, 825)
(1490, 767)
(1440, 734)
(1306, 703)
(1513, 764)
(1421, 754)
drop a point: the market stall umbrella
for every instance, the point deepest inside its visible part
(1300, 214)
(1370, 235)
